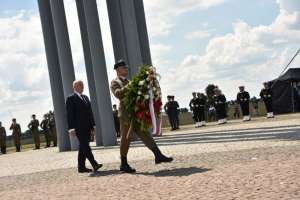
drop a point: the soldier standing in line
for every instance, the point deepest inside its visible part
(266, 94)
(2, 139)
(52, 128)
(16, 133)
(116, 120)
(175, 112)
(34, 128)
(45, 127)
(243, 99)
(194, 106)
(202, 103)
(168, 110)
(220, 104)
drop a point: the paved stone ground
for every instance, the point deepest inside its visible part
(254, 160)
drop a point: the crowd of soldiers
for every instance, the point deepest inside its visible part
(217, 106)
(47, 126)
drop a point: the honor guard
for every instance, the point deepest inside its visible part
(2, 139)
(116, 120)
(243, 99)
(194, 108)
(266, 95)
(34, 128)
(52, 128)
(201, 99)
(16, 134)
(219, 101)
(45, 128)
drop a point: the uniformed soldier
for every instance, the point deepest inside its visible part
(219, 101)
(118, 87)
(266, 94)
(171, 108)
(2, 139)
(243, 99)
(201, 99)
(166, 108)
(16, 133)
(52, 128)
(116, 120)
(34, 128)
(194, 107)
(45, 128)
(175, 111)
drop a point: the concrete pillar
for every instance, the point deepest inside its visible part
(142, 31)
(64, 53)
(54, 75)
(96, 67)
(122, 13)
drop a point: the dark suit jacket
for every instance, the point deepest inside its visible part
(79, 113)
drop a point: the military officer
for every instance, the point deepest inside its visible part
(118, 88)
(167, 111)
(266, 95)
(219, 101)
(202, 104)
(34, 128)
(16, 133)
(243, 99)
(116, 120)
(2, 139)
(45, 128)
(52, 128)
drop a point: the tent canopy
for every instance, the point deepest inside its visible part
(285, 94)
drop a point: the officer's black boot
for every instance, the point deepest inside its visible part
(159, 157)
(125, 167)
(18, 148)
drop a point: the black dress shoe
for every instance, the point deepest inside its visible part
(162, 159)
(97, 166)
(85, 170)
(127, 169)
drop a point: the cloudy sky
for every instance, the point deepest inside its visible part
(193, 43)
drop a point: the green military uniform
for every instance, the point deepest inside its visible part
(16, 134)
(34, 128)
(3, 140)
(52, 130)
(118, 87)
(45, 127)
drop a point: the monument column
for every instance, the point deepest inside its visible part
(64, 53)
(96, 68)
(54, 75)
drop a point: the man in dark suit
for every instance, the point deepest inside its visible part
(81, 123)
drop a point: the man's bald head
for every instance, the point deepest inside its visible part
(78, 86)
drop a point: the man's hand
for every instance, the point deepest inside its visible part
(72, 132)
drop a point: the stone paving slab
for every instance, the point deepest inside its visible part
(259, 133)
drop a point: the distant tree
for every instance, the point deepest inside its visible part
(209, 90)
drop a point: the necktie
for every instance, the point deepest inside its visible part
(83, 99)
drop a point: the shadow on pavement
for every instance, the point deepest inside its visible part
(175, 172)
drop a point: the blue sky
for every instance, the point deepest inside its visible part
(193, 43)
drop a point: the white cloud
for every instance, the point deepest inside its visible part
(161, 14)
(248, 56)
(200, 34)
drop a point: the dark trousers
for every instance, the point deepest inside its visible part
(199, 114)
(269, 106)
(3, 149)
(221, 112)
(174, 120)
(245, 108)
(85, 151)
